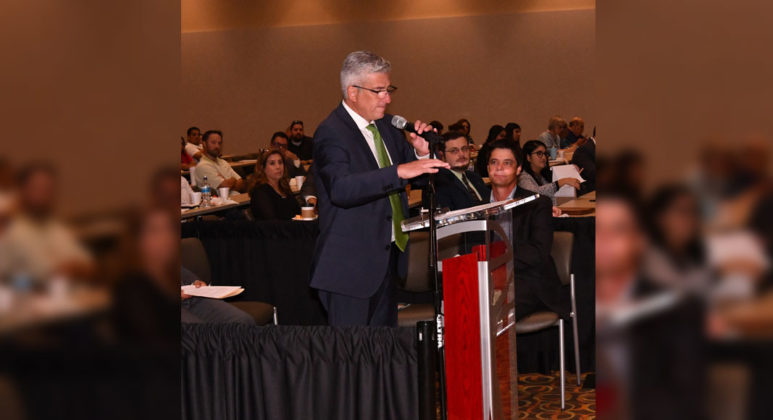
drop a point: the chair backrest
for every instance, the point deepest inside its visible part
(562, 254)
(418, 278)
(193, 256)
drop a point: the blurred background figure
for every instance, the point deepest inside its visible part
(676, 257)
(649, 338)
(37, 246)
(437, 125)
(513, 131)
(7, 196)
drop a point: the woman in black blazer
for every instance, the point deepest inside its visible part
(271, 198)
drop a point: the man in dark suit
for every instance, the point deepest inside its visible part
(585, 158)
(537, 286)
(361, 166)
(458, 187)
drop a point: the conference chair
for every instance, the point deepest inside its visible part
(418, 280)
(193, 256)
(562, 256)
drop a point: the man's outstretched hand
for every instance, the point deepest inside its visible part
(420, 167)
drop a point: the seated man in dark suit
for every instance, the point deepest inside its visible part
(585, 158)
(536, 279)
(458, 187)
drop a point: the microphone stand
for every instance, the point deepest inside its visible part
(438, 292)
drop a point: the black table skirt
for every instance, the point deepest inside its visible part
(271, 260)
(285, 372)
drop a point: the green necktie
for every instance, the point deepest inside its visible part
(401, 238)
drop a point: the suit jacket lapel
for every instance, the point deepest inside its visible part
(359, 139)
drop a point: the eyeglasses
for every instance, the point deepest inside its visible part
(455, 150)
(382, 93)
(540, 153)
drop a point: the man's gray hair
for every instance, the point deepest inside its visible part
(359, 64)
(555, 122)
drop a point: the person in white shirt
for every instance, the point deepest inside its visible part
(552, 136)
(193, 145)
(219, 173)
(36, 244)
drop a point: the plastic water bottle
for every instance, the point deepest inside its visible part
(206, 193)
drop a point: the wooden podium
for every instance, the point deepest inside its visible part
(477, 323)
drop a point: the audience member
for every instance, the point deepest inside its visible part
(675, 257)
(458, 187)
(146, 305)
(219, 173)
(464, 127)
(193, 144)
(513, 131)
(496, 132)
(552, 136)
(186, 161)
(280, 142)
(37, 245)
(585, 159)
(574, 136)
(164, 191)
(299, 143)
(199, 310)
(7, 196)
(271, 197)
(649, 339)
(536, 174)
(309, 190)
(536, 280)
(437, 125)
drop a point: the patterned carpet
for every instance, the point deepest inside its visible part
(539, 397)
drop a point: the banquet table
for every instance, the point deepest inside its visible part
(582, 206)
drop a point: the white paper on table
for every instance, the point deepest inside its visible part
(212, 292)
(728, 247)
(566, 171)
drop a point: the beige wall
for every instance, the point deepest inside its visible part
(521, 67)
(673, 76)
(218, 15)
(94, 87)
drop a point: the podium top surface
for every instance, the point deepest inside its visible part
(481, 212)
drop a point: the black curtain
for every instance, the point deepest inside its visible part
(270, 259)
(290, 372)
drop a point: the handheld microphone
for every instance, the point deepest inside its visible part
(402, 123)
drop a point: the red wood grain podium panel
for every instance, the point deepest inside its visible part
(462, 338)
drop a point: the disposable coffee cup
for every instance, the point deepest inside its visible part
(307, 212)
(299, 180)
(196, 198)
(224, 193)
(553, 152)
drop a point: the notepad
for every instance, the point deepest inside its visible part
(566, 171)
(212, 292)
